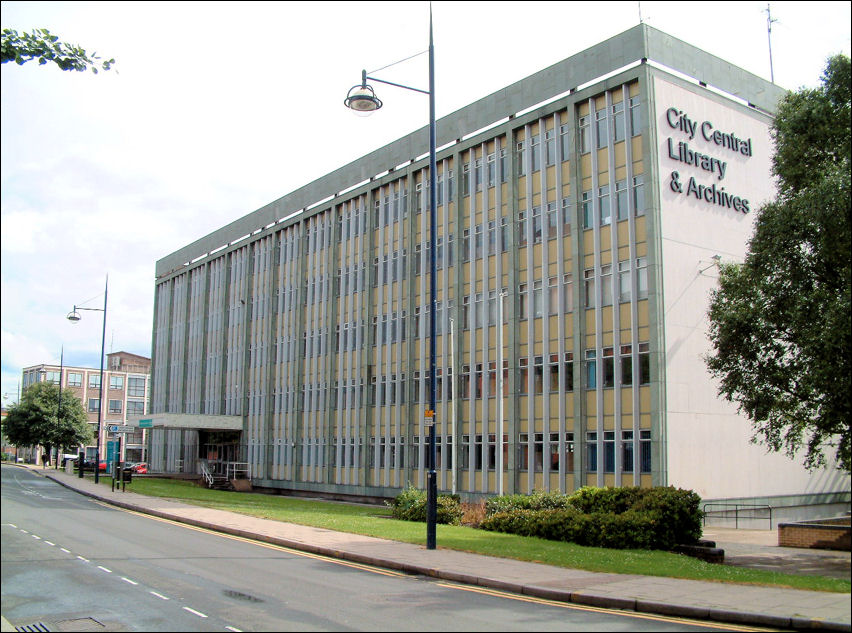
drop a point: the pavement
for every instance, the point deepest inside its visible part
(717, 601)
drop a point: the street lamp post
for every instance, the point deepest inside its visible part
(74, 317)
(362, 99)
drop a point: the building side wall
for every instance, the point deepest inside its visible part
(709, 447)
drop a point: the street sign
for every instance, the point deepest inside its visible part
(115, 428)
(146, 424)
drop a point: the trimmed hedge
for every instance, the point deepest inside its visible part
(410, 505)
(620, 518)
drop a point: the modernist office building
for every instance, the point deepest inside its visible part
(126, 390)
(589, 204)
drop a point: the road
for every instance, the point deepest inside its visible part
(69, 563)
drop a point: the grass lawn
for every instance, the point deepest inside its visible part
(373, 521)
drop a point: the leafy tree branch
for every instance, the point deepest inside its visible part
(42, 45)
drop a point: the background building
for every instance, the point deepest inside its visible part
(126, 389)
(588, 203)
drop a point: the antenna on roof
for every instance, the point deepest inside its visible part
(769, 22)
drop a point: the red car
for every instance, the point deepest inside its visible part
(140, 469)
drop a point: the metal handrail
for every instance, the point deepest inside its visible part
(205, 472)
(238, 467)
(736, 508)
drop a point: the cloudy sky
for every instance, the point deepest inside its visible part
(215, 109)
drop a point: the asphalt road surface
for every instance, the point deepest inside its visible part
(72, 564)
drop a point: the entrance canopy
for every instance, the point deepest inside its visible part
(188, 421)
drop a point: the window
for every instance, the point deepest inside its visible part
(644, 364)
(627, 451)
(552, 220)
(645, 451)
(592, 452)
(602, 131)
(523, 301)
(94, 381)
(638, 195)
(626, 365)
(635, 116)
(116, 382)
(568, 372)
(618, 121)
(523, 452)
(466, 179)
(538, 299)
(536, 224)
(606, 284)
(589, 287)
(609, 451)
(641, 278)
(74, 380)
(591, 369)
(621, 209)
(563, 142)
(587, 210)
(550, 147)
(624, 282)
(553, 295)
(553, 373)
(491, 169)
(603, 205)
(568, 292)
(538, 375)
(608, 368)
(566, 216)
(535, 152)
(520, 158)
(135, 407)
(115, 406)
(585, 141)
(94, 405)
(523, 375)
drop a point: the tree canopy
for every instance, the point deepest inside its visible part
(780, 322)
(38, 420)
(42, 45)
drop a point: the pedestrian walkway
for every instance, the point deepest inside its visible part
(724, 602)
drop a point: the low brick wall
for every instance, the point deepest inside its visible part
(825, 534)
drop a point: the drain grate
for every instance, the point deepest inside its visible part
(28, 628)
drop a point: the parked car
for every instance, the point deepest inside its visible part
(140, 468)
(68, 457)
(89, 464)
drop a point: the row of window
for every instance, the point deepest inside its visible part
(478, 381)
(134, 407)
(135, 386)
(618, 201)
(530, 456)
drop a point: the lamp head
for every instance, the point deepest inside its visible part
(73, 316)
(362, 99)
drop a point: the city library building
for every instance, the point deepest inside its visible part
(582, 214)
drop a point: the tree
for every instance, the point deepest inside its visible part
(38, 419)
(24, 47)
(780, 323)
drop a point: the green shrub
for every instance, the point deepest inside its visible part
(628, 530)
(538, 500)
(629, 517)
(410, 505)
